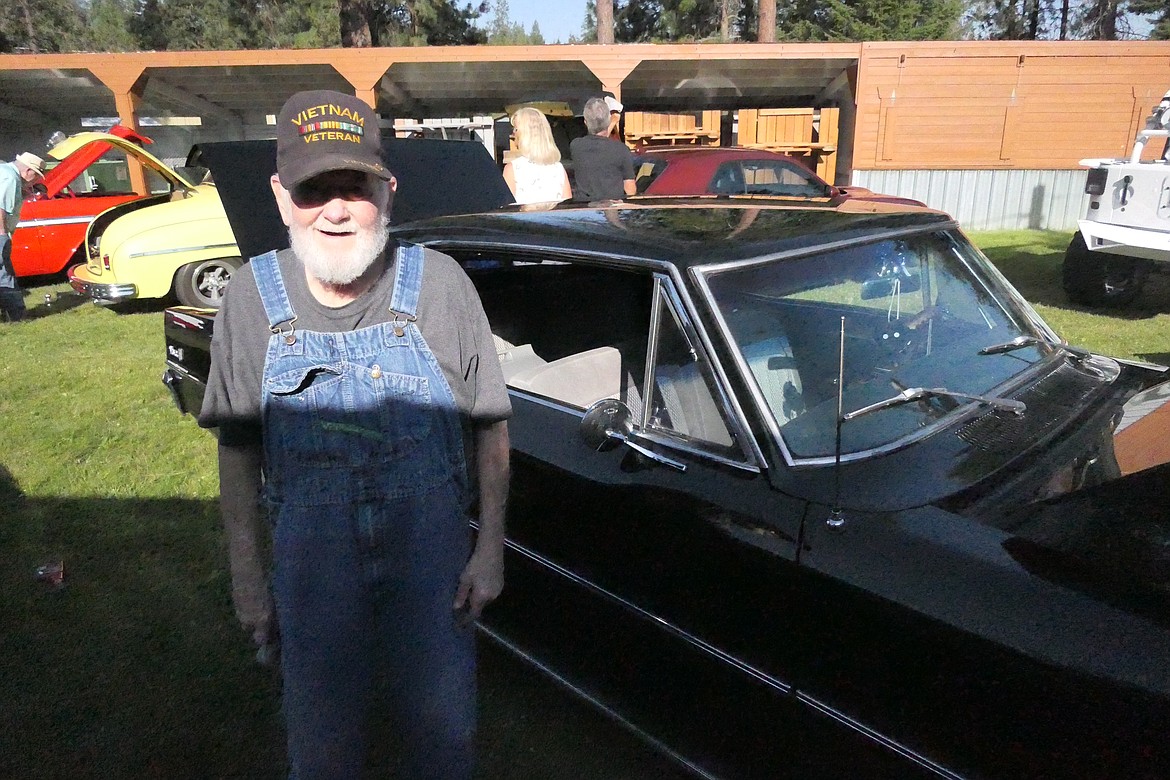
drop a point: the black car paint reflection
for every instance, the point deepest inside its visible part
(994, 603)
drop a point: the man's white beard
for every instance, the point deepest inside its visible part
(340, 268)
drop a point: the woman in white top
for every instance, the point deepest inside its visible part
(536, 176)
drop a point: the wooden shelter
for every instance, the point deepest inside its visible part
(889, 113)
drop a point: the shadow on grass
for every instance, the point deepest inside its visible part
(58, 304)
(136, 668)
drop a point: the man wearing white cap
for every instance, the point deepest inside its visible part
(16, 181)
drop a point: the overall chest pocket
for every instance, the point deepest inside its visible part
(345, 415)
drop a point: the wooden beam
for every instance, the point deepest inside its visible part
(192, 102)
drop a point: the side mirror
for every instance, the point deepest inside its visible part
(609, 422)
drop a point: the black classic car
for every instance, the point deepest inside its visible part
(811, 491)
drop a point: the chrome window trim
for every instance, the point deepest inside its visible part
(50, 222)
(961, 414)
(740, 431)
(159, 252)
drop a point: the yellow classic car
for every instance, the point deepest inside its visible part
(178, 242)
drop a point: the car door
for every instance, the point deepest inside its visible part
(656, 575)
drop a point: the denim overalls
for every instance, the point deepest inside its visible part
(367, 484)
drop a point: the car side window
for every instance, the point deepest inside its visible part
(728, 180)
(683, 402)
(572, 333)
(766, 177)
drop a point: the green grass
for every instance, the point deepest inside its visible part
(137, 668)
(1032, 259)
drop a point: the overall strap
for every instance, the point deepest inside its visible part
(273, 293)
(407, 280)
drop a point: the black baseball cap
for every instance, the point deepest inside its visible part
(321, 130)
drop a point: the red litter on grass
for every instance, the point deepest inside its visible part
(52, 574)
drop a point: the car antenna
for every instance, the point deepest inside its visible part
(836, 520)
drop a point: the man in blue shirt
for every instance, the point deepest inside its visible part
(16, 181)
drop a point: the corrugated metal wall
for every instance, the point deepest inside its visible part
(990, 200)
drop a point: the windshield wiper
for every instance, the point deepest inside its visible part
(912, 394)
(1019, 342)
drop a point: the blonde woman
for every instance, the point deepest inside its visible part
(536, 176)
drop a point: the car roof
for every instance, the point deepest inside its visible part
(682, 232)
(708, 152)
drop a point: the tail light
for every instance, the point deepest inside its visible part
(1095, 182)
(106, 262)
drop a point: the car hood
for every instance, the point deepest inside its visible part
(435, 178)
(79, 151)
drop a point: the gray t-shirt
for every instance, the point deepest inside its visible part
(450, 318)
(601, 167)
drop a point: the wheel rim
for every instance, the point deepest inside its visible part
(211, 281)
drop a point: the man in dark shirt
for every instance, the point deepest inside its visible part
(603, 168)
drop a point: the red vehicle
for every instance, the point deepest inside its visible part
(733, 170)
(53, 221)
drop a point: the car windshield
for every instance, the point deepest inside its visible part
(923, 311)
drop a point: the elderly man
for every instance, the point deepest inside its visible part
(17, 179)
(362, 381)
(603, 169)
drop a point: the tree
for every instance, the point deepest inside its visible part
(280, 24)
(1099, 21)
(355, 23)
(1159, 10)
(110, 26)
(605, 32)
(869, 20)
(148, 27)
(767, 21)
(40, 26)
(409, 22)
(190, 25)
(1048, 19)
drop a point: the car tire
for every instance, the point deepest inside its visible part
(202, 284)
(1098, 279)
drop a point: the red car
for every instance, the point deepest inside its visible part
(732, 170)
(75, 190)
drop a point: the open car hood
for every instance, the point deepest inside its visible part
(435, 178)
(78, 152)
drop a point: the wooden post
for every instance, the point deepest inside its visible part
(127, 81)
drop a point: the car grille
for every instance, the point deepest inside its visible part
(1049, 402)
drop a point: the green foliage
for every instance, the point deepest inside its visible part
(868, 20)
(110, 23)
(297, 25)
(1159, 13)
(157, 25)
(426, 23)
(41, 26)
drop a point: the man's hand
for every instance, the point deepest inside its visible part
(483, 577)
(481, 581)
(246, 528)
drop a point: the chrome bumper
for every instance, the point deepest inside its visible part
(103, 293)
